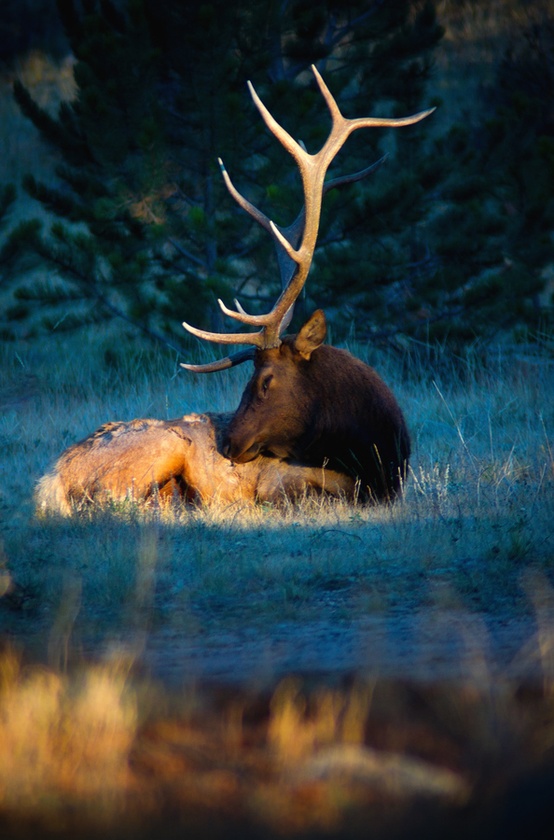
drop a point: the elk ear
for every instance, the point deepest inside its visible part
(312, 335)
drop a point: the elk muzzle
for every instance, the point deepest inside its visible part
(240, 453)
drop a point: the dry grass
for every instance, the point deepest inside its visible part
(97, 752)
(64, 742)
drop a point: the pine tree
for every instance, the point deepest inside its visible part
(492, 237)
(146, 228)
(29, 25)
(103, 246)
(7, 199)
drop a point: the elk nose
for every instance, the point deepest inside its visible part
(226, 448)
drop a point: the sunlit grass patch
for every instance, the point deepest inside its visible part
(64, 742)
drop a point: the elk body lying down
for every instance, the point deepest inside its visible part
(166, 459)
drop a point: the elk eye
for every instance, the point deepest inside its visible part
(266, 383)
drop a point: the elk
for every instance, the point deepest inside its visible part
(312, 418)
(309, 403)
(161, 460)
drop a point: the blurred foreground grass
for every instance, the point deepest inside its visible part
(98, 752)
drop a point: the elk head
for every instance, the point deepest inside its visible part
(280, 383)
(280, 400)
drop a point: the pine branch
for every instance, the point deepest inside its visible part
(139, 325)
(73, 147)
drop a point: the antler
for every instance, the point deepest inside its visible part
(295, 244)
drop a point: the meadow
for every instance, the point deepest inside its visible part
(319, 671)
(297, 670)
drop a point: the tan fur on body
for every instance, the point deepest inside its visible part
(166, 459)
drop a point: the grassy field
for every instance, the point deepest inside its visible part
(323, 671)
(274, 665)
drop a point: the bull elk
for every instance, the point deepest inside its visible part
(312, 418)
(309, 403)
(159, 460)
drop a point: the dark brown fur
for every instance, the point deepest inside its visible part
(317, 405)
(157, 459)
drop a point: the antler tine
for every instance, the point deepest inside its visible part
(292, 234)
(272, 322)
(221, 364)
(257, 339)
(290, 144)
(344, 180)
(347, 126)
(313, 169)
(243, 202)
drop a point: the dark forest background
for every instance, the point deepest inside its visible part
(450, 241)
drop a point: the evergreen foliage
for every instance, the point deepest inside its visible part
(147, 229)
(29, 25)
(7, 198)
(451, 238)
(493, 231)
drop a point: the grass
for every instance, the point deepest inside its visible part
(256, 672)
(64, 740)
(253, 672)
(477, 513)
